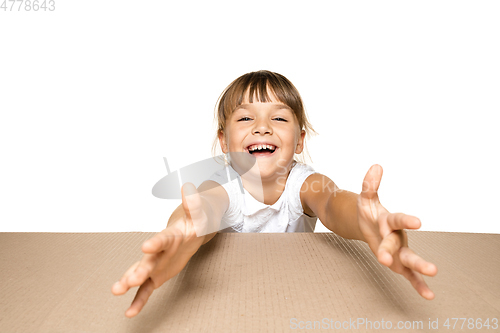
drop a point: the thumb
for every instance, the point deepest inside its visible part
(372, 182)
(191, 201)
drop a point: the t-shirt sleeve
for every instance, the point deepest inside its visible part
(300, 173)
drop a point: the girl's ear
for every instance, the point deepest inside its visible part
(222, 142)
(300, 144)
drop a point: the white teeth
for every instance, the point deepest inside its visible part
(260, 147)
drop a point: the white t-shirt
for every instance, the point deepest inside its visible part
(246, 214)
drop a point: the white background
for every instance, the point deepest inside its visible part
(94, 94)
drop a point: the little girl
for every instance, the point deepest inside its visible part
(261, 129)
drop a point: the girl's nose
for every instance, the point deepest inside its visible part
(262, 127)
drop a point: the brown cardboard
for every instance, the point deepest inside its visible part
(54, 282)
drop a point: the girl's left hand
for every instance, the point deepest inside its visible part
(383, 231)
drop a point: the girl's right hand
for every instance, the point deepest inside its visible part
(167, 253)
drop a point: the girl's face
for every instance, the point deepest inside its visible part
(273, 124)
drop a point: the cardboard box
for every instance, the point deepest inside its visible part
(55, 282)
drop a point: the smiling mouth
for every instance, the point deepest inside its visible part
(263, 152)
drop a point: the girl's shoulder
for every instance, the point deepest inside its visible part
(301, 168)
(314, 193)
(299, 174)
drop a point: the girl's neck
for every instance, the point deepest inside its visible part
(267, 191)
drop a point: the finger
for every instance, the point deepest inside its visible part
(388, 248)
(371, 182)
(140, 299)
(417, 281)
(159, 242)
(398, 221)
(143, 270)
(121, 287)
(368, 198)
(416, 263)
(191, 201)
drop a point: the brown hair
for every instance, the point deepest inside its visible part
(257, 84)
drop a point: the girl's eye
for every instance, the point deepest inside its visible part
(246, 119)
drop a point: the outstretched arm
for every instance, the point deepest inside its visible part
(168, 252)
(364, 218)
